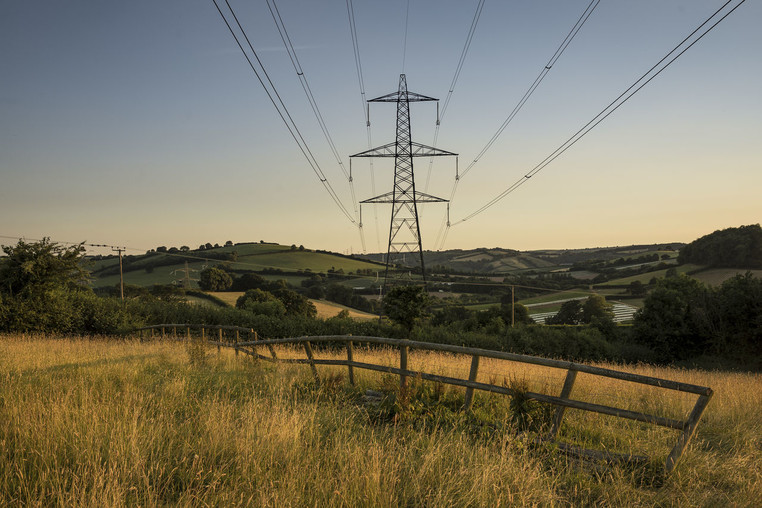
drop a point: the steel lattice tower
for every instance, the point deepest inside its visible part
(404, 230)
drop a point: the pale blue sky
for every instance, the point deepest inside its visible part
(139, 123)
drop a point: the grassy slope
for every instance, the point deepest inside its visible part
(250, 257)
(716, 276)
(95, 423)
(646, 277)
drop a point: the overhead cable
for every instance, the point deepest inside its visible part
(278, 19)
(536, 83)
(363, 101)
(455, 77)
(646, 78)
(280, 107)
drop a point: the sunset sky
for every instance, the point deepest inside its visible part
(140, 124)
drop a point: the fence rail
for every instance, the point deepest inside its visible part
(563, 401)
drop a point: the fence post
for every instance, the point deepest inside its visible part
(311, 358)
(163, 334)
(236, 341)
(174, 331)
(187, 333)
(269, 346)
(571, 375)
(403, 366)
(151, 333)
(471, 377)
(350, 359)
(219, 342)
(203, 334)
(688, 430)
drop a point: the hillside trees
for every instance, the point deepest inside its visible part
(278, 302)
(739, 247)
(406, 304)
(43, 289)
(30, 269)
(569, 314)
(261, 302)
(596, 309)
(593, 310)
(215, 279)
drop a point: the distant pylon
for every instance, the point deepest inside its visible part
(404, 229)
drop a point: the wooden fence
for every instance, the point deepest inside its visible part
(245, 340)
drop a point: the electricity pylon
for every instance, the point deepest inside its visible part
(404, 229)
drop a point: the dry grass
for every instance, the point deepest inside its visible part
(109, 423)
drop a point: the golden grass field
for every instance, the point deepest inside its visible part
(97, 422)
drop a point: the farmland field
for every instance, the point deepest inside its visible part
(91, 422)
(250, 257)
(716, 276)
(646, 277)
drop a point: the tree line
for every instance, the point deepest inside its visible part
(44, 288)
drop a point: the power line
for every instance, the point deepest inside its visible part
(455, 77)
(536, 83)
(365, 108)
(544, 72)
(278, 19)
(614, 105)
(281, 107)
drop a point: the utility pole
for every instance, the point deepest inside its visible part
(121, 273)
(513, 306)
(404, 229)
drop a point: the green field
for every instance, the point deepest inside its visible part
(716, 276)
(646, 277)
(250, 257)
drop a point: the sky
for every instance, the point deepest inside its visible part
(140, 123)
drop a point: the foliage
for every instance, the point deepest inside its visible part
(739, 247)
(668, 320)
(406, 304)
(295, 304)
(248, 281)
(257, 301)
(214, 279)
(683, 318)
(31, 269)
(569, 314)
(596, 309)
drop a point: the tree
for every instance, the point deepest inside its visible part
(739, 247)
(734, 317)
(229, 243)
(296, 304)
(670, 317)
(596, 309)
(30, 269)
(637, 288)
(248, 281)
(214, 279)
(406, 304)
(261, 302)
(569, 314)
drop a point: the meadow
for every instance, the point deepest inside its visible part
(104, 422)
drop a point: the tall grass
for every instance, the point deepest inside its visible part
(112, 423)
